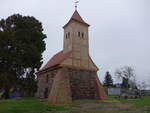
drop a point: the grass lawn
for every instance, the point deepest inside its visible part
(145, 101)
(114, 105)
(28, 105)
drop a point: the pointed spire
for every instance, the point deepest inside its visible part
(76, 16)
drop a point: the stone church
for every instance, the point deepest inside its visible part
(71, 74)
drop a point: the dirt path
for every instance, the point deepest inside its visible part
(104, 107)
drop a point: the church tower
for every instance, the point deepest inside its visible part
(71, 74)
(76, 39)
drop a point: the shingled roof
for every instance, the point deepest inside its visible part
(76, 16)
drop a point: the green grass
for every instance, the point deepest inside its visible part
(28, 105)
(145, 101)
(33, 105)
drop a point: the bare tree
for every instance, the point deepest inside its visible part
(144, 85)
(139, 86)
(125, 73)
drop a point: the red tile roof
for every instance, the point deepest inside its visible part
(76, 16)
(56, 59)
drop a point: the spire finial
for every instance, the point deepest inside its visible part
(76, 4)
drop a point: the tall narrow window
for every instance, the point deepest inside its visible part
(46, 93)
(68, 34)
(78, 34)
(47, 78)
(82, 35)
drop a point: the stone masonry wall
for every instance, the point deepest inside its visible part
(45, 83)
(83, 84)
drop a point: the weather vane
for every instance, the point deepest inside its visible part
(76, 4)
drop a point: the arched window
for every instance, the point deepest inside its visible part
(66, 36)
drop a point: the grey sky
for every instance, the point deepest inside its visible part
(119, 32)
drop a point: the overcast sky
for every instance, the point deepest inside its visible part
(119, 31)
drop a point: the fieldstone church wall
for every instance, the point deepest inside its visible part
(82, 83)
(45, 82)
